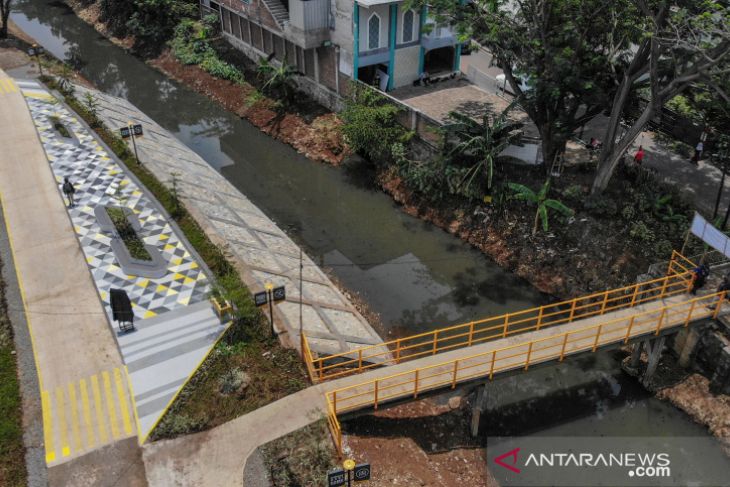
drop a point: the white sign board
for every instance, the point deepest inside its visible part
(710, 235)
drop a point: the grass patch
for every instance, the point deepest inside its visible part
(301, 458)
(248, 345)
(131, 240)
(12, 449)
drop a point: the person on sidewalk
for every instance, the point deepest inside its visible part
(639, 156)
(69, 191)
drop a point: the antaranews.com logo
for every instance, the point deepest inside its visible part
(607, 461)
(636, 464)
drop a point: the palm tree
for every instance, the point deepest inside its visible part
(483, 141)
(540, 199)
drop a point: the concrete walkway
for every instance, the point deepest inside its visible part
(263, 252)
(67, 322)
(176, 326)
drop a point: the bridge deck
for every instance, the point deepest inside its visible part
(377, 386)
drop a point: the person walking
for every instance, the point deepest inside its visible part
(69, 191)
(699, 277)
(639, 156)
(698, 152)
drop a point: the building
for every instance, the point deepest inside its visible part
(332, 41)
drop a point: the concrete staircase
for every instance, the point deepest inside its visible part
(278, 11)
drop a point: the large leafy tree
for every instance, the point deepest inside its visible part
(480, 143)
(683, 42)
(568, 51)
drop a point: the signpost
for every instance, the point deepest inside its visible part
(270, 296)
(350, 472)
(36, 50)
(132, 130)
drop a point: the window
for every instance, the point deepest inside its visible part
(374, 32)
(408, 17)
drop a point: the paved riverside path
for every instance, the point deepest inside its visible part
(264, 253)
(68, 325)
(217, 457)
(175, 325)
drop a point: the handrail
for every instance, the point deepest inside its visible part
(677, 281)
(514, 357)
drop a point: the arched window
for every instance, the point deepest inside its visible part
(374, 32)
(408, 17)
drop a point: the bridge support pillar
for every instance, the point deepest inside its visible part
(635, 355)
(654, 350)
(690, 341)
(480, 405)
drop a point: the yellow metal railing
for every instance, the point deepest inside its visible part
(514, 357)
(677, 281)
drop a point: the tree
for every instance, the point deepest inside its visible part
(481, 142)
(567, 51)
(4, 16)
(685, 42)
(541, 201)
(370, 126)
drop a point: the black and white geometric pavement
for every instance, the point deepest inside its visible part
(99, 180)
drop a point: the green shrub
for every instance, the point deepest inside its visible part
(628, 213)
(232, 380)
(639, 231)
(575, 192)
(663, 248)
(177, 424)
(370, 126)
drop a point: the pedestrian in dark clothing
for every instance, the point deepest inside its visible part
(639, 156)
(69, 191)
(699, 276)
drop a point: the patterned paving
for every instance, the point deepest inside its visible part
(176, 326)
(86, 414)
(99, 180)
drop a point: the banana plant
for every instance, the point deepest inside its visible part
(541, 201)
(482, 140)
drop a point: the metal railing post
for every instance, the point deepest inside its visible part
(539, 319)
(334, 402)
(506, 324)
(633, 298)
(321, 370)
(661, 318)
(605, 300)
(456, 368)
(562, 352)
(491, 369)
(359, 360)
(598, 335)
(397, 351)
(415, 386)
(628, 330)
(376, 394)
(572, 312)
(664, 287)
(435, 342)
(471, 333)
(529, 352)
(719, 305)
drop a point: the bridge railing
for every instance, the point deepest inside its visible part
(518, 356)
(677, 281)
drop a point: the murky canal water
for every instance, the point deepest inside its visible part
(415, 276)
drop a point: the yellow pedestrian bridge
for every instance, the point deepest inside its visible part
(404, 368)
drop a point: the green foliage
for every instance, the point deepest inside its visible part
(277, 80)
(641, 232)
(92, 107)
(574, 192)
(151, 22)
(232, 380)
(302, 457)
(190, 45)
(126, 232)
(663, 249)
(540, 199)
(370, 126)
(59, 126)
(177, 424)
(477, 151)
